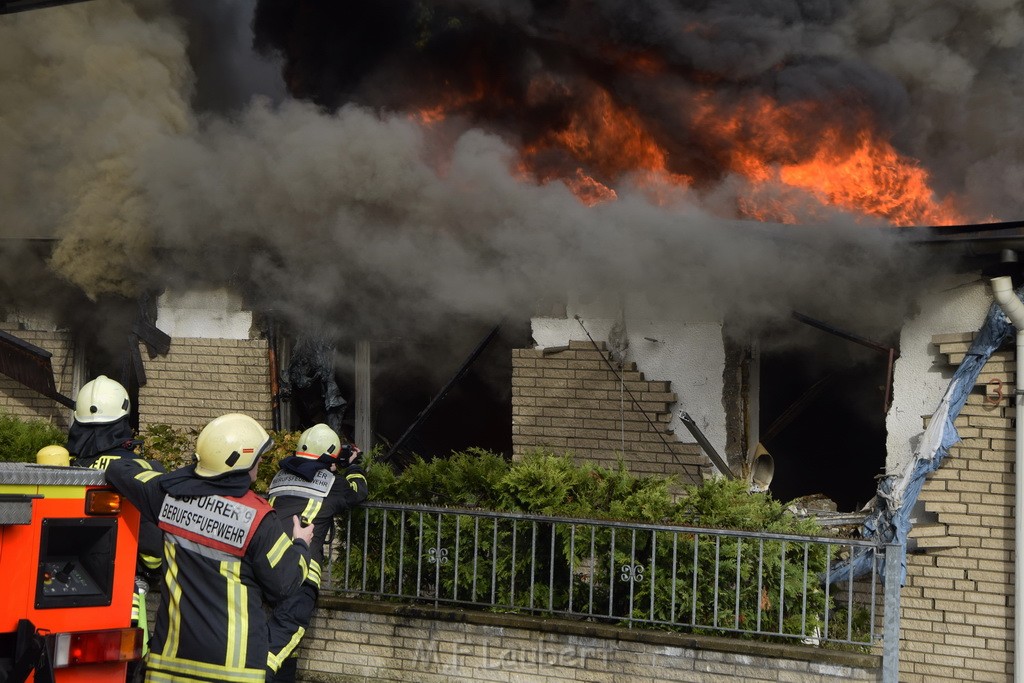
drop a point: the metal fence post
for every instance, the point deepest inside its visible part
(891, 632)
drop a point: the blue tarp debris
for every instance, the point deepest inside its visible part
(889, 521)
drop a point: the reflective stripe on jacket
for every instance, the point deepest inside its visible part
(347, 490)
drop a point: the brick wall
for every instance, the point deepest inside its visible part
(195, 382)
(578, 401)
(957, 605)
(23, 402)
(352, 641)
(200, 379)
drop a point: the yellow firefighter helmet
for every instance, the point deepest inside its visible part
(101, 401)
(230, 442)
(53, 455)
(318, 441)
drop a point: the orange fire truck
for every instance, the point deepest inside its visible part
(67, 572)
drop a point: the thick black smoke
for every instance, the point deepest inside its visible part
(524, 69)
(333, 207)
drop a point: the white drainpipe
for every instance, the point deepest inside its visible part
(1012, 306)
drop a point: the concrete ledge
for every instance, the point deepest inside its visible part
(798, 652)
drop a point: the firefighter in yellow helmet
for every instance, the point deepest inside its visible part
(225, 555)
(322, 479)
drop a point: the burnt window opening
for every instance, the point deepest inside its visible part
(822, 408)
(419, 397)
(118, 365)
(112, 333)
(311, 385)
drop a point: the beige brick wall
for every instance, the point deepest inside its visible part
(957, 616)
(350, 641)
(572, 401)
(200, 379)
(195, 382)
(23, 402)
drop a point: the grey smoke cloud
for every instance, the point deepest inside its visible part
(375, 225)
(83, 89)
(959, 64)
(343, 217)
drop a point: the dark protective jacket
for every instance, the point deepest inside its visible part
(316, 501)
(225, 553)
(88, 441)
(114, 442)
(316, 496)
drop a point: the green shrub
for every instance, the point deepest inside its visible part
(726, 504)
(21, 439)
(465, 479)
(169, 446)
(542, 483)
(546, 567)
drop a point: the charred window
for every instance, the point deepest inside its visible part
(823, 400)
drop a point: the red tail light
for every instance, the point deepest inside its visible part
(94, 647)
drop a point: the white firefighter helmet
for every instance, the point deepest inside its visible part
(230, 442)
(318, 441)
(101, 401)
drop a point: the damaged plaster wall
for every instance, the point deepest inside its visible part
(951, 304)
(688, 353)
(213, 313)
(692, 355)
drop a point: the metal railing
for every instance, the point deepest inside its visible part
(765, 585)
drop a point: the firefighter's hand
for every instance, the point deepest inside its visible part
(300, 531)
(354, 459)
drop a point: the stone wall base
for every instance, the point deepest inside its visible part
(352, 640)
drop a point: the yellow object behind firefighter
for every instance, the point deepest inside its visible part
(57, 456)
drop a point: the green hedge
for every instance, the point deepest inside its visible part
(542, 482)
(551, 484)
(21, 439)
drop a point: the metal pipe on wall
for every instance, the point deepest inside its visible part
(1002, 288)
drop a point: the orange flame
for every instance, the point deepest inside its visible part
(588, 190)
(788, 154)
(873, 179)
(605, 138)
(795, 147)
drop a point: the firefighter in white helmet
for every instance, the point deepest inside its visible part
(100, 431)
(225, 554)
(322, 479)
(100, 425)
(100, 434)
